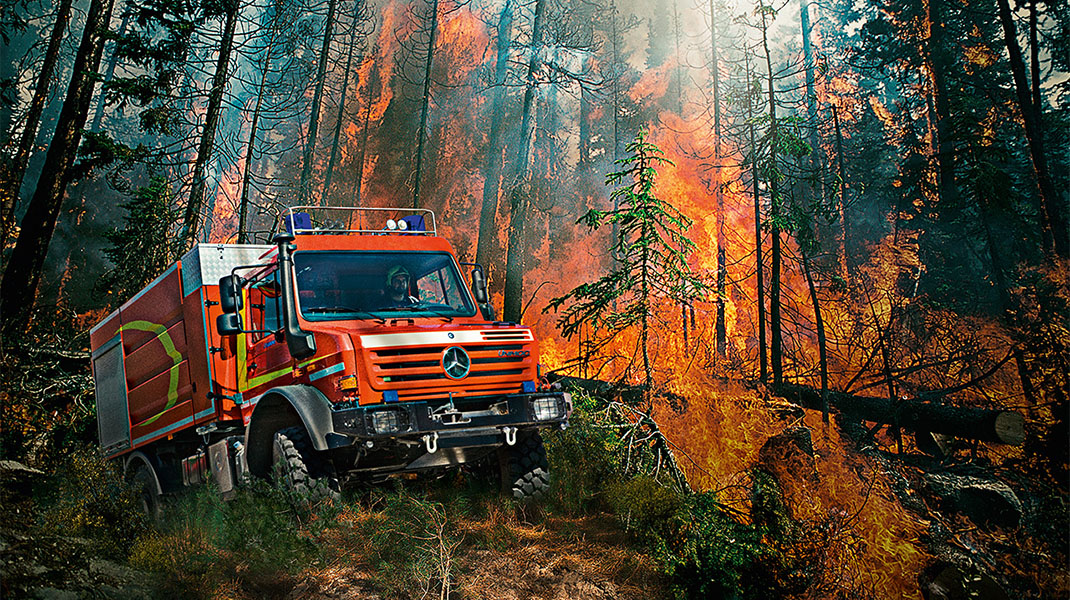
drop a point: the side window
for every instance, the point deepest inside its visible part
(431, 288)
(265, 305)
(437, 287)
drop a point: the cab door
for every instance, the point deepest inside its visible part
(268, 362)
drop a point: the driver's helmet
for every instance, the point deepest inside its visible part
(394, 272)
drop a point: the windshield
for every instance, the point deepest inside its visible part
(334, 286)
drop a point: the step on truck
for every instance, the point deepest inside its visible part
(350, 349)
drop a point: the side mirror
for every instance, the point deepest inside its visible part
(228, 324)
(479, 286)
(230, 294)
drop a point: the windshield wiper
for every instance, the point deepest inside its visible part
(416, 308)
(361, 314)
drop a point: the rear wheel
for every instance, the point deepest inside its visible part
(525, 472)
(307, 477)
(143, 481)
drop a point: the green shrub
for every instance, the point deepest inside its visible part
(87, 498)
(646, 507)
(256, 541)
(584, 459)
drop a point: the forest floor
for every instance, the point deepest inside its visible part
(507, 554)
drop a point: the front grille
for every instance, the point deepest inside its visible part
(416, 373)
(511, 335)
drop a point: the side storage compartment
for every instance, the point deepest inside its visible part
(113, 414)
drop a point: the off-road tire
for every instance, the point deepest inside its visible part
(143, 481)
(304, 476)
(525, 472)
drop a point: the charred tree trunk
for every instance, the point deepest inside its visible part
(586, 109)
(329, 175)
(254, 126)
(317, 103)
(763, 367)
(615, 44)
(211, 122)
(819, 323)
(109, 74)
(373, 88)
(936, 47)
(678, 76)
(1000, 426)
(776, 350)
(425, 106)
(722, 259)
(842, 204)
(14, 171)
(488, 249)
(514, 273)
(1054, 223)
(18, 289)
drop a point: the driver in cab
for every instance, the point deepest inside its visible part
(397, 288)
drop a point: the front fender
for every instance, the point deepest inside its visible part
(280, 408)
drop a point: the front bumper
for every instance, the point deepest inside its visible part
(447, 427)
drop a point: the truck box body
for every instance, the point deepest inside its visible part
(152, 364)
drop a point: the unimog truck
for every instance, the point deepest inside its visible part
(349, 349)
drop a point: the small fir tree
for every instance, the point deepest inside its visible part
(142, 249)
(651, 247)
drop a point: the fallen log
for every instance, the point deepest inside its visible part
(990, 425)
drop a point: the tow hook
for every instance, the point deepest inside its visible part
(431, 442)
(510, 435)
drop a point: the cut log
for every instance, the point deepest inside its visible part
(1002, 426)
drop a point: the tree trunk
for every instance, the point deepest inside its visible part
(721, 328)
(644, 293)
(1054, 223)
(763, 366)
(678, 76)
(254, 125)
(514, 273)
(329, 175)
(488, 250)
(18, 289)
(776, 351)
(373, 87)
(317, 102)
(1000, 426)
(13, 172)
(109, 74)
(820, 324)
(211, 122)
(846, 264)
(425, 106)
(936, 47)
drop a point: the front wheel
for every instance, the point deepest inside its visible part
(525, 472)
(298, 470)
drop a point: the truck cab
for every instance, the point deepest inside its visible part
(350, 349)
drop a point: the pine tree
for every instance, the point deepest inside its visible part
(652, 248)
(138, 250)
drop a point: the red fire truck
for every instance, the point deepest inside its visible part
(348, 349)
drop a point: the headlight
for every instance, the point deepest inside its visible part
(386, 421)
(546, 408)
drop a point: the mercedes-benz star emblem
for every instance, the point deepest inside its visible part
(455, 362)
